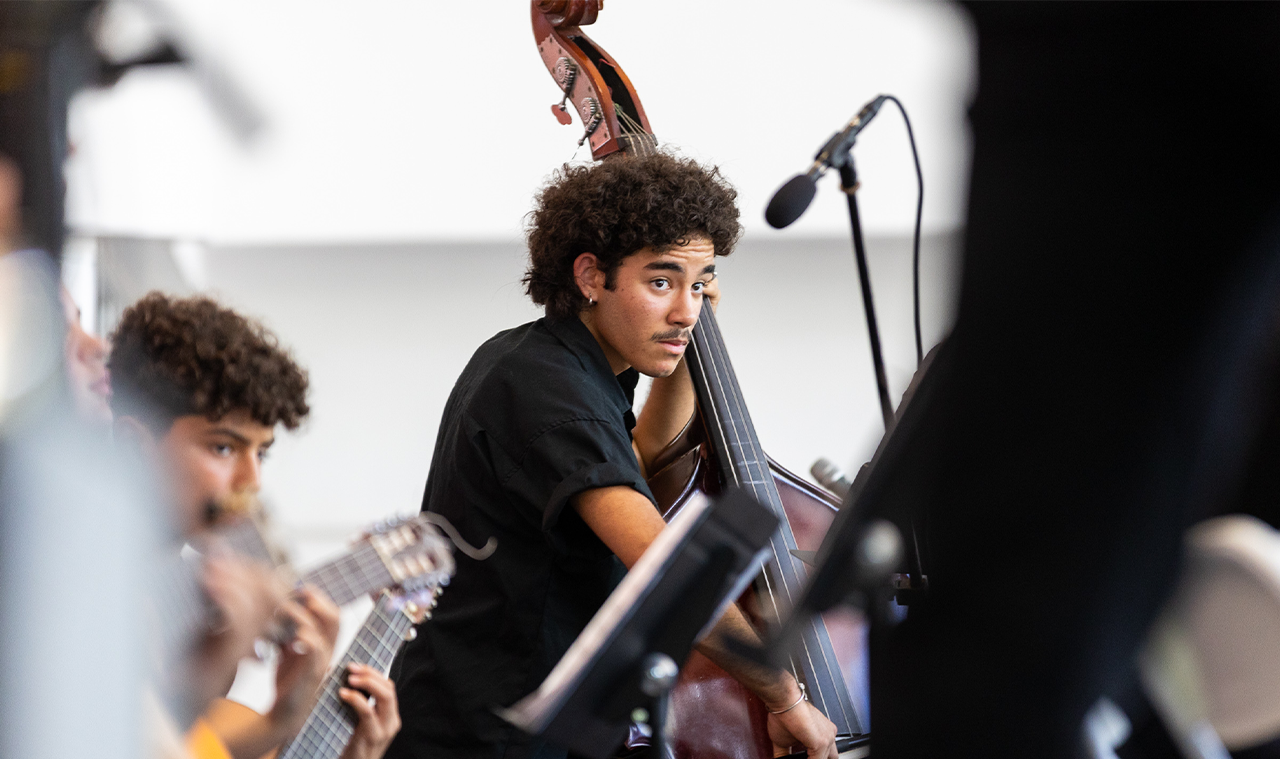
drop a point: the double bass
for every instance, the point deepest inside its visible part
(711, 715)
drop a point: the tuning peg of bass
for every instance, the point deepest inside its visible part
(562, 113)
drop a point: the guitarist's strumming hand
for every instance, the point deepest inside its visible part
(246, 594)
(300, 669)
(378, 713)
(304, 661)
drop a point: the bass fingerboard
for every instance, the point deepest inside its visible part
(733, 440)
(331, 723)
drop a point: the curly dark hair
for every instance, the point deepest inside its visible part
(615, 208)
(174, 357)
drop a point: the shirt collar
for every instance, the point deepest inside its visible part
(579, 340)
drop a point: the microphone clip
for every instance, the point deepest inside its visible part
(835, 153)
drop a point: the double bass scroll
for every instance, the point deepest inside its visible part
(592, 83)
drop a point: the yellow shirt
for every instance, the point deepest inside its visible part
(203, 743)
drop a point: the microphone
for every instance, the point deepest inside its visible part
(830, 477)
(793, 198)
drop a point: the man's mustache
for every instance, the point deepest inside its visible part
(684, 335)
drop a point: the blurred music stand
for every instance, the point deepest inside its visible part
(864, 546)
(626, 659)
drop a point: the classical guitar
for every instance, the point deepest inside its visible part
(711, 715)
(403, 554)
(331, 723)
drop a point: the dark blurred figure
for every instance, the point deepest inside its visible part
(46, 56)
(1101, 389)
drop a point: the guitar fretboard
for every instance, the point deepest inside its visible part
(350, 576)
(331, 723)
(183, 609)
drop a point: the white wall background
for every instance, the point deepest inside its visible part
(403, 120)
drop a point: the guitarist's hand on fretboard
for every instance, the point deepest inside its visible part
(372, 696)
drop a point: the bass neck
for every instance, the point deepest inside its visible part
(735, 448)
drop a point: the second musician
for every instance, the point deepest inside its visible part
(538, 446)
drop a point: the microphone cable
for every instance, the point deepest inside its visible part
(915, 242)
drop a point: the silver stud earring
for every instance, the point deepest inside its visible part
(591, 302)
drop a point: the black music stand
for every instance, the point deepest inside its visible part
(864, 547)
(624, 663)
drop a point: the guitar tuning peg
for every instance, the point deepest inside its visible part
(411, 634)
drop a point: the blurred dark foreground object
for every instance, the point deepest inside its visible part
(46, 56)
(1107, 371)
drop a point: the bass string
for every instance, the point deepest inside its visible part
(814, 639)
(709, 363)
(642, 142)
(761, 483)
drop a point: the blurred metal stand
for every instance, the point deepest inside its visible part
(76, 523)
(74, 529)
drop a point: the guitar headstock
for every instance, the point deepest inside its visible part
(416, 605)
(414, 552)
(592, 83)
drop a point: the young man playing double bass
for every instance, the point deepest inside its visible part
(539, 448)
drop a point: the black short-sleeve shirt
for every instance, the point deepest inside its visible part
(536, 418)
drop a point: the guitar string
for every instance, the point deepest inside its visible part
(329, 726)
(330, 717)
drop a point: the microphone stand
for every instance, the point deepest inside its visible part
(849, 184)
(911, 585)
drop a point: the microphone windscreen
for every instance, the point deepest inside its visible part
(790, 201)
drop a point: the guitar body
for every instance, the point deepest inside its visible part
(712, 715)
(230, 719)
